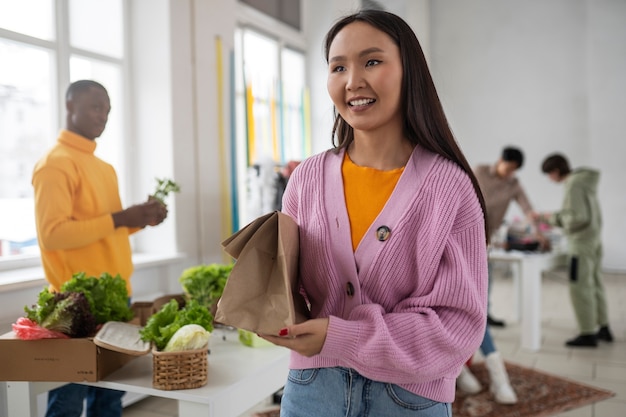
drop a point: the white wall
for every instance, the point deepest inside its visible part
(320, 15)
(177, 116)
(545, 76)
(606, 63)
(150, 84)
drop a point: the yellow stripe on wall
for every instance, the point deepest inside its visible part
(250, 120)
(224, 183)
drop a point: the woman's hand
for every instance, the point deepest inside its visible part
(305, 338)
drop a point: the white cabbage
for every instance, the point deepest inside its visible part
(188, 337)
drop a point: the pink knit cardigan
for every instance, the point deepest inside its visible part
(408, 310)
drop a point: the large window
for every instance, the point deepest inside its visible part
(45, 45)
(272, 118)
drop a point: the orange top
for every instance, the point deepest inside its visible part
(366, 191)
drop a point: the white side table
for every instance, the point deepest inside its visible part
(527, 271)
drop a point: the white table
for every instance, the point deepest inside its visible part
(527, 271)
(239, 377)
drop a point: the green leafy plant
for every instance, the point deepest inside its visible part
(65, 312)
(163, 324)
(205, 283)
(45, 304)
(107, 295)
(164, 187)
(250, 339)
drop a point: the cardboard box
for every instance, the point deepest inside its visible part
(76, 359)
(66, 360)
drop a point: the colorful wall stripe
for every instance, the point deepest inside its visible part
(225, 189)
(250, 125)
(234, 180)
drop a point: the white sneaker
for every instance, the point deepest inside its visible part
(467, 382)
(500, 386)
(503, 394)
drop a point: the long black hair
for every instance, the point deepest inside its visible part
(425, 123)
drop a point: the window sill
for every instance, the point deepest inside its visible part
(24, 278)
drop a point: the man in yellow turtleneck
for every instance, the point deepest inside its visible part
(81, 225)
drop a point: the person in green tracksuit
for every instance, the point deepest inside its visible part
(580, 219)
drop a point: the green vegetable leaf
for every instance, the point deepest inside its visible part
(41, 310)
(163, 324)
(71, 315)
(65, 312)
(164, 187)
(205, 283)
(250, 339)
(107, 295)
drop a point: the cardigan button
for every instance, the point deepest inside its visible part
(382, 233)
(350, 289)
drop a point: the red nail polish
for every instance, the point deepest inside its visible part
(283, 332)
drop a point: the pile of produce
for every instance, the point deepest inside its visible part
(67, 313)
(107, 296)
(83, 304)
(205, 283)
(174, 329)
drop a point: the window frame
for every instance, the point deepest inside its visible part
(286, 37)
(246, 161)
(62, 52)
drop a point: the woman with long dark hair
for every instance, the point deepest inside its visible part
(393, 256)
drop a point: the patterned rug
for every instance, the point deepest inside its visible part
(539, 395)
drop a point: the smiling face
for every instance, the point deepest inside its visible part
(365, 78)
(88, 112)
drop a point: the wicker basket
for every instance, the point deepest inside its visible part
(180, 370)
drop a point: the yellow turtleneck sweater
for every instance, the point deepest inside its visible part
(75, 195)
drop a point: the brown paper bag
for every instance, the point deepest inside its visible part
(261, 294)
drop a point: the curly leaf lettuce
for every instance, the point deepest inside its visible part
(205, 283)
(107, 295)
(163, 324)
(45, 304)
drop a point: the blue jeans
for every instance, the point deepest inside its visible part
(487, 346)
(67, 401)
(342, 392)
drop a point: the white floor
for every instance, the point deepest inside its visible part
(603, 367)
